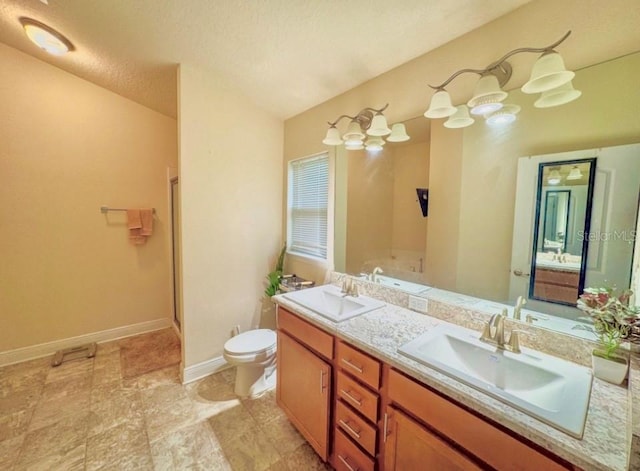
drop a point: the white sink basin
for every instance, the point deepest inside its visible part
(328, 301)
(548, 388)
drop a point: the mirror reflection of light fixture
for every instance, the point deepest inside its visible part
(547, 76)
(574, 174)
(554, 177)
(398, 133)
(45, 37)
(557, 96)
(364, 124)
(505, 115)
(374, 143)
(460, 119)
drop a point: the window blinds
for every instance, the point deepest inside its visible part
(308, 200)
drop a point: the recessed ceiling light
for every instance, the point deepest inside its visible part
(46, 38)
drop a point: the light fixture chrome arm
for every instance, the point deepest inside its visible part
(339, 118)
(501, 61)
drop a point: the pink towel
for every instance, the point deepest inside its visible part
(146, 217)
(134, 223)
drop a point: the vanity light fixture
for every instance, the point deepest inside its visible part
(574, 174)
(554, 177)
(45, 37)
(365, 125)
(548, 77)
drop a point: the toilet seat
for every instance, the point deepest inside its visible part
(251, 343)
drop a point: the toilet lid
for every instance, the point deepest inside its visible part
(252, 341)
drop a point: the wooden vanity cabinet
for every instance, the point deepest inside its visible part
(409, 445)
(357, 409)
(436, 417)
(304, 386)
(360, 414)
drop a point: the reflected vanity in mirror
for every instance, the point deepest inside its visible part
(563, 216)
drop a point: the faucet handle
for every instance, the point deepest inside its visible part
(346, 285)
(514, 341)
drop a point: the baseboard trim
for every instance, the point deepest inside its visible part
(202, 369)
(10, 357)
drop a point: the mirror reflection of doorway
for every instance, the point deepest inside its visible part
(563, 216)
(175, 244)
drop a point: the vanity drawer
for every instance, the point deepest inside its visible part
(489, 443)
(558, 277)
(308, 334)
(358, 364)
(355, 427)
(349, 457)
(358, 397)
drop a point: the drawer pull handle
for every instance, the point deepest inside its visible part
(346, 463)
(351, 398)
(322, 373)
(348, 428)
(386, 425)
(351, 365)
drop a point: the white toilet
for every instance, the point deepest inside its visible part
(254, 354)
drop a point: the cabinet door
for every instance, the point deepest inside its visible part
(303, 390)
(409, 446)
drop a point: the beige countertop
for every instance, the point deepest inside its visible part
(604, 445)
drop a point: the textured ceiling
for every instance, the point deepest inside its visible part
(285, 55)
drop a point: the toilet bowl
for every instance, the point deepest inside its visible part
(253, 353)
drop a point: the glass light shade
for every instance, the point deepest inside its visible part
(354, 132)
(487, 96)
(46, 38)
(440, 106)
(558, 96)
(548, 72)
(398, 133)
(378, 126)
(554, 177)
(460, 119)
(358, 146)
(374, 143)
(353, 142)
(333, 137)
(574, 174)
(505, 115)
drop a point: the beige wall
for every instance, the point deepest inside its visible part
(600, 31)
(410, 171)
(66, 148)
(369, 208)
(231, 195)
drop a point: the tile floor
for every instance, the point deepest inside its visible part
(83, 415)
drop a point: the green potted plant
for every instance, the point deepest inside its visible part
(614, 322)
(274, 277)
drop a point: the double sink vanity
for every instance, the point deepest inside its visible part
(373, 385)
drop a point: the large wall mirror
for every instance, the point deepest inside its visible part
(474, 240)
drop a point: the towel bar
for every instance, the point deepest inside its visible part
(105, 209)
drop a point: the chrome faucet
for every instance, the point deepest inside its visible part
(493, 334)
(374, 274)
(349, 288)
(517, 311)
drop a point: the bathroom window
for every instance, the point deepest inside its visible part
(308, 206)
